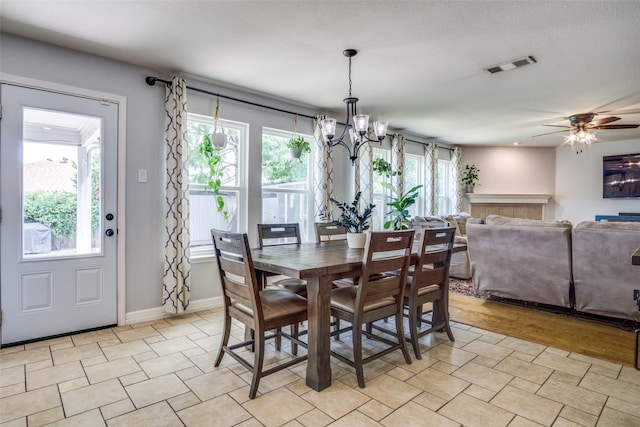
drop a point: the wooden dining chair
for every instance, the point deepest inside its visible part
(282, 234)
(429, 282)
(259, 310)
(376, 296)
(326, 231)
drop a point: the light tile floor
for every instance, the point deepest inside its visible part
(161, 374)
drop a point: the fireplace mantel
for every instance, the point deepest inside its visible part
(531, 206)
(540, 199)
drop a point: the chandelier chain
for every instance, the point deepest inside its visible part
(349, 77)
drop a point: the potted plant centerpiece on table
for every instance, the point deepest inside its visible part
(298, 146)
(469, 177)
(355, 221)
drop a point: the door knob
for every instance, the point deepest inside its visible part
(109, 232)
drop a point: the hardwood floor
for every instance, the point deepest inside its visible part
(562, 331)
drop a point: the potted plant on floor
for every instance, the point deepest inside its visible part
(399, 216)
(469, 177)
(355, 221)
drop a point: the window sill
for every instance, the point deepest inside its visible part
(202, 255)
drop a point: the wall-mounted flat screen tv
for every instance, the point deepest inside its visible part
(621, 176)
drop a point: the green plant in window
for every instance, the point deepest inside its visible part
(298, 146)
(383, 168)
(213, 157)
(399, 215)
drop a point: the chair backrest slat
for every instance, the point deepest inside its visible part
(385, 252)
(435, 258)
(326, 231)
(278, 234)
(237, 274)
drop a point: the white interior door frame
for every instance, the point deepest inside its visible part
(121, 101)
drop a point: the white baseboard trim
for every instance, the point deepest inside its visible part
(157, 313)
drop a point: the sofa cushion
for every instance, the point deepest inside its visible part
(613, 225)
(453, 223)
(518, 222)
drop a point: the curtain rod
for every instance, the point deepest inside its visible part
(151, 81)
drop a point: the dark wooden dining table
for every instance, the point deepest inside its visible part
(319, 264)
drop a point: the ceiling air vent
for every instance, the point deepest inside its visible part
(511, 65)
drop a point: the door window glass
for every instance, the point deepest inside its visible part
(61, 184)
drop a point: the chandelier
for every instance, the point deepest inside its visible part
(356, 125)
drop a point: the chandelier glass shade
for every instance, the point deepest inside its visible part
(356, 125)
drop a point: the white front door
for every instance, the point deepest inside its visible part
(58, 230)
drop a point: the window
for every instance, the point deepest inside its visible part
(202, 202)
(380, 196)
(445, 188)
(414, 175)
(286, 183)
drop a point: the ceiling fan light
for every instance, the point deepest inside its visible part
(361, 124)
(571, 139)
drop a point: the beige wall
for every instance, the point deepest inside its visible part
(513, 170)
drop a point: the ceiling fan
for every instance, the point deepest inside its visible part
(581, 124)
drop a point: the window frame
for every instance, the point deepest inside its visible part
(240, 188)
(308, 232)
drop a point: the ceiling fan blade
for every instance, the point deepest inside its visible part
(558, 126)
(621, 112)
(549, 133)
(603, 121)
(616, 127)
(611, 103)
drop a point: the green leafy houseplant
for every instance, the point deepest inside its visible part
(399, 215)
(470, 175)
(351, 218)
(400, 203)
(213, 158)
(298, 146)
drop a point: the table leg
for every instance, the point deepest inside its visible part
(319, 328)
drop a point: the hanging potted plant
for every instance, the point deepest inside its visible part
(298, 146)
(355, 221)
(218, 139)
(469, 178)
(213, 156)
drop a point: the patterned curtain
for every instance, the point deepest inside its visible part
(322, 172)
(456, 161)
(431, 172)
(177, 263)
(397, 161)
(364, 174)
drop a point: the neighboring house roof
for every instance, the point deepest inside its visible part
(49, 175)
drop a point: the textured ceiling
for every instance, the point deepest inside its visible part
(420, 63)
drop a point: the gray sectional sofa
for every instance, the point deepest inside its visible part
(603, 277)
(586, 267)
